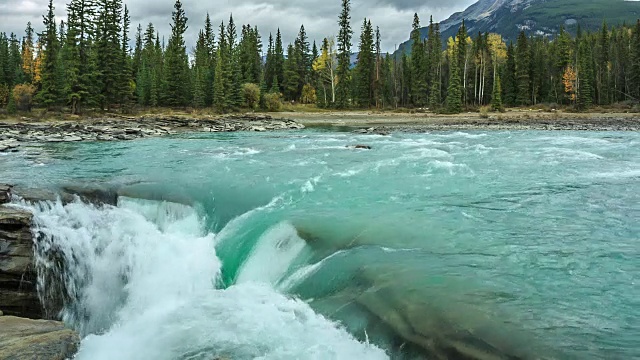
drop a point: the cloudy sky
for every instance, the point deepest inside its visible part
(394, 17)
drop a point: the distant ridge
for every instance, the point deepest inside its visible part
(539, 17)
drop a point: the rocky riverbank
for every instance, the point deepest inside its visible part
(23, 333)
(384, 122)
(13, 134)
(603, 124)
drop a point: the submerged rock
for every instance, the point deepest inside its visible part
(36, 339)
(360, 146)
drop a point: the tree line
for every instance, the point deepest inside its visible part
(86, 63)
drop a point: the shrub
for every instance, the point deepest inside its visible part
(484, 112)
(308, 94)
(11, 106)
(23, 96)
(251, 94)
(273, 102)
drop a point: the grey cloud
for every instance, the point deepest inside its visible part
(394, 17)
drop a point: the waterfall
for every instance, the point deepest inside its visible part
(139, 281)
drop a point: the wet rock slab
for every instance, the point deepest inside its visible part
(18, 294)
(26, 339)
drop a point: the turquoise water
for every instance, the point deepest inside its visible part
(524, 242)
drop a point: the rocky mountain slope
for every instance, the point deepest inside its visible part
(539, 17)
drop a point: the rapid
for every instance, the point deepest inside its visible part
(292, 245)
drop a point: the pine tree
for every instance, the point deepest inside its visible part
(603, 73)
(344, 56)
(176, 66)
(49, 87)
(365, 68)
(523, 63)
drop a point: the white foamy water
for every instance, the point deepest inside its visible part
(141, 282)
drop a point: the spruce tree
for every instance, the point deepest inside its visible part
(109, 51)
(304, 52)
(199, 71)
(454, 92)
(5, 67)
(269, 65)
(510, 83)
(344, 56)
(210, 38)
(418, 66)
(635, 62)
(49, 87)
(148, 63)
(603, 73)
(585, 74)
(365, 68)
(221, 83)
(11, 103)
(461, 40)
(523, 64)
(219, 96)
(234, 81)
(435, 93)
(291, 74)
(137, 53)
(28, 54)
(124, 76)
(496, 95)
(278, 61)
(176, 65)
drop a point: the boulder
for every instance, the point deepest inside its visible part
(5, 193)
(18, 293)
(36, 339)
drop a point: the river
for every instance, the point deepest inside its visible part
(291, 245)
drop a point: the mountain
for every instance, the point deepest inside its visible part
(539, 17)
